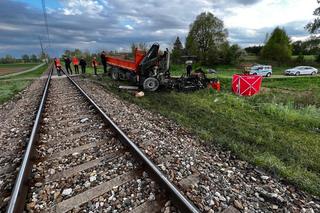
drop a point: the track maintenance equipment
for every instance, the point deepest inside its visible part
(152, 69)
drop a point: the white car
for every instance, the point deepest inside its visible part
(301, 70)
(262, 70)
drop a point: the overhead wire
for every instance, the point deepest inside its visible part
(45, 16)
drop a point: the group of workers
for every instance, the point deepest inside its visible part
(82, 63)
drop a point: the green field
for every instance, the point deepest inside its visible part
(254, 58)
(306, 57)
(278, 130)
(28, 65)
(12, 85)
(33, 74)
(225, 71)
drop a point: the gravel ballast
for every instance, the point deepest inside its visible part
(81, 165)
(214, 179)
(16, 121)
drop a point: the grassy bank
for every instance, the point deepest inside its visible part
(9, 87)
(27, 65)
(272, 130)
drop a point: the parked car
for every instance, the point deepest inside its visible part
(262, 70)
(301, 70)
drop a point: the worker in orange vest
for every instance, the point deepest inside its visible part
(95, 65)
(57, 64)
(75, 63)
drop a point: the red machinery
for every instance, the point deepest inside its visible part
(149, 70)
(126, 64)
(152, 69)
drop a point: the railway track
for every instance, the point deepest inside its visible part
(78, 160)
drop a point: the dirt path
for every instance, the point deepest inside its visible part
(18, 72)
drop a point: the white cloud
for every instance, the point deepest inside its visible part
(9, 27)
(111, 24)
(79, 7)
(129, 27)
(269, 13)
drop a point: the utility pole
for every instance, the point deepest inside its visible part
(42, 51)
(45, 16)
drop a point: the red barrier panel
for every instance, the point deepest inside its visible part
(246, 85)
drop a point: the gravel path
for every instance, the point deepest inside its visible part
(214, 179)
(82, 166)
(16, 120)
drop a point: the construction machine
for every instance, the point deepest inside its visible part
(151, 70)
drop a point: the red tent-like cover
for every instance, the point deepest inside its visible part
(246, 85)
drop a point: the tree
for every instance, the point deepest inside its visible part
(297, 47)
(177, 51)
(278, 47)
(25, 58)
(141, 46)
(8, 59)
(313, 27)
(67, 53)
(318, 58)
(206, 36)
(236, 54)
(33, 58)
(254, 49)
(77, 53)
(300, 59)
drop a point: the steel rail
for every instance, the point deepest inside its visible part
(20, 189)
(183, 203)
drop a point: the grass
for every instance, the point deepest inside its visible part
(305, 84)
(254, 58)
(223, 71)
(33, 74)
(27, 65)
(306, 57)
(89, 70)
(9, 87)
(276, 130)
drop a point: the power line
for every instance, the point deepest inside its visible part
(42, 51)
(46, 21)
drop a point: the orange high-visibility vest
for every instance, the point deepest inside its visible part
(75, 61)
(58, 63)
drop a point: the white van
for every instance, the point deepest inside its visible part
(262, 70)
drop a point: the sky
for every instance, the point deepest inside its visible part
(97, 25)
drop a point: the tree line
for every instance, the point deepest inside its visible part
(25, 58)
(207, 43)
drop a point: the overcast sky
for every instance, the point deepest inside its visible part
(114, 24)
